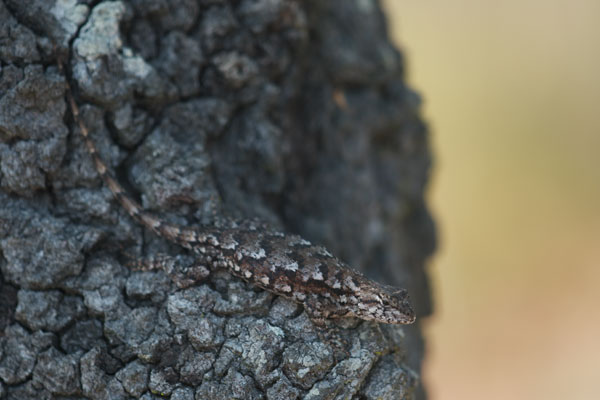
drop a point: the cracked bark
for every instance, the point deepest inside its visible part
(294, 112)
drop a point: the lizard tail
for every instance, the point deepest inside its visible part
(182, 236)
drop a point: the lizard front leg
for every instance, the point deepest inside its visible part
(327, 333)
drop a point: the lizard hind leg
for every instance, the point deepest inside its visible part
(183, 270)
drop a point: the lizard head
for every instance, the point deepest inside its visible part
(383, 303)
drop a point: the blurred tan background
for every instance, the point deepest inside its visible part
(512, 98)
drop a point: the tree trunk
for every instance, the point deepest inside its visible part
(292, 112)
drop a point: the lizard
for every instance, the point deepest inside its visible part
(284, 264)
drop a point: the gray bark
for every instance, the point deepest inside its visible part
(293, 112)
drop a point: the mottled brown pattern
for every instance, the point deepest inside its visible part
(286, 265)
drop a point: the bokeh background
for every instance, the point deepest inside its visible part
(512, 97)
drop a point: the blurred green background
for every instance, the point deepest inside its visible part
(512, 99)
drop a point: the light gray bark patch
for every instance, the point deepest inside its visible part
(48, 310)
(57, 373)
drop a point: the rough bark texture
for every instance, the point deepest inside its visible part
(294, 112)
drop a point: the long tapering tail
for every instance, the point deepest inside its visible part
(182, 236)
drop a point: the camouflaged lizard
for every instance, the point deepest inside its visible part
(284, 264)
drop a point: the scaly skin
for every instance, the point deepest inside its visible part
(286, 265)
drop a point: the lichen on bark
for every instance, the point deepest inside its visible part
(293, 112)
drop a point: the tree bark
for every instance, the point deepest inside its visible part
(292, 112)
